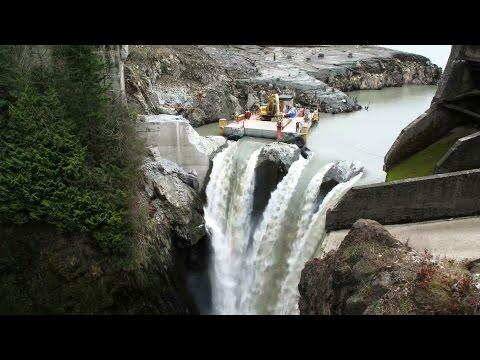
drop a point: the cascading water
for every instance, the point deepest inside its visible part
(260, 257)
(247, 274)
(227, 216)
(218, 192)
(305, 245)
(312, 193)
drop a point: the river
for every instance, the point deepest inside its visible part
(364, 135)
(256, 269)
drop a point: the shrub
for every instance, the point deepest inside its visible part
(68, 152)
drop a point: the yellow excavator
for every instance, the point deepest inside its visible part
(271, 111)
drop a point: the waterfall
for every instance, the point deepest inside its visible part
(312, 191)
(218, 192)
(305, 245)
(256, 271)
(227, 216)
(260, 256)
(178, 143)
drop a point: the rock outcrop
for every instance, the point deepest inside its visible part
(373, 273)
(44, 271)
(181, 80)
(319, 75)
(173, 201)
(205, 83)
(375, 73)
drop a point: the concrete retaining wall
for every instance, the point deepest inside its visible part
(464, 154)
(420, 199)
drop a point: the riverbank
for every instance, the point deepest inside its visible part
(205, 83)
(363, 135)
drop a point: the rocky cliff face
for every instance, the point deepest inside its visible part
(374, 273)
(272, 165)
(205, 83)
(180, 80)
(394, 69)
(46, 272)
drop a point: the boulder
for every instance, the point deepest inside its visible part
(293, 138)
(166, 110)
(343, 171)
(197, 117)
(234, 132)
(237, 108)
(174, 201)
(212, 145)
(252, 101)
(168, 167)
(374, 273)
(273, 163)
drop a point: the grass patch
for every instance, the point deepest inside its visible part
(423, 162)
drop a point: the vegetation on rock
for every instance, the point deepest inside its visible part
(374, 273)
(68, 151)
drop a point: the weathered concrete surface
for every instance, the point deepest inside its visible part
(173, 138)
(319, 75)
(429, 127)
(264, 129)
(459, 78)
(457, 238)
(463, 155)
(427, 198)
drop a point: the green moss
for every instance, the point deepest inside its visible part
(423, 163)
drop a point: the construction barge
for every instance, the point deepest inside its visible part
(278, 120)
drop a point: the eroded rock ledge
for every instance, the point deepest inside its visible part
(273, 163)
(374, 273)
(205, 83)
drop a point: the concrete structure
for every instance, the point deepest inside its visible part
(172, 138)
(455, 103)
(464, 154)
(457, 238)
(413, 200)
(263, 129)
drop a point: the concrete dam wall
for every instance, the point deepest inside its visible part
(406, 201)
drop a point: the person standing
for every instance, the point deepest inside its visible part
(279, 129)
(307, 114)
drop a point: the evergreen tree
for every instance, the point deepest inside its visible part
(68, 153)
